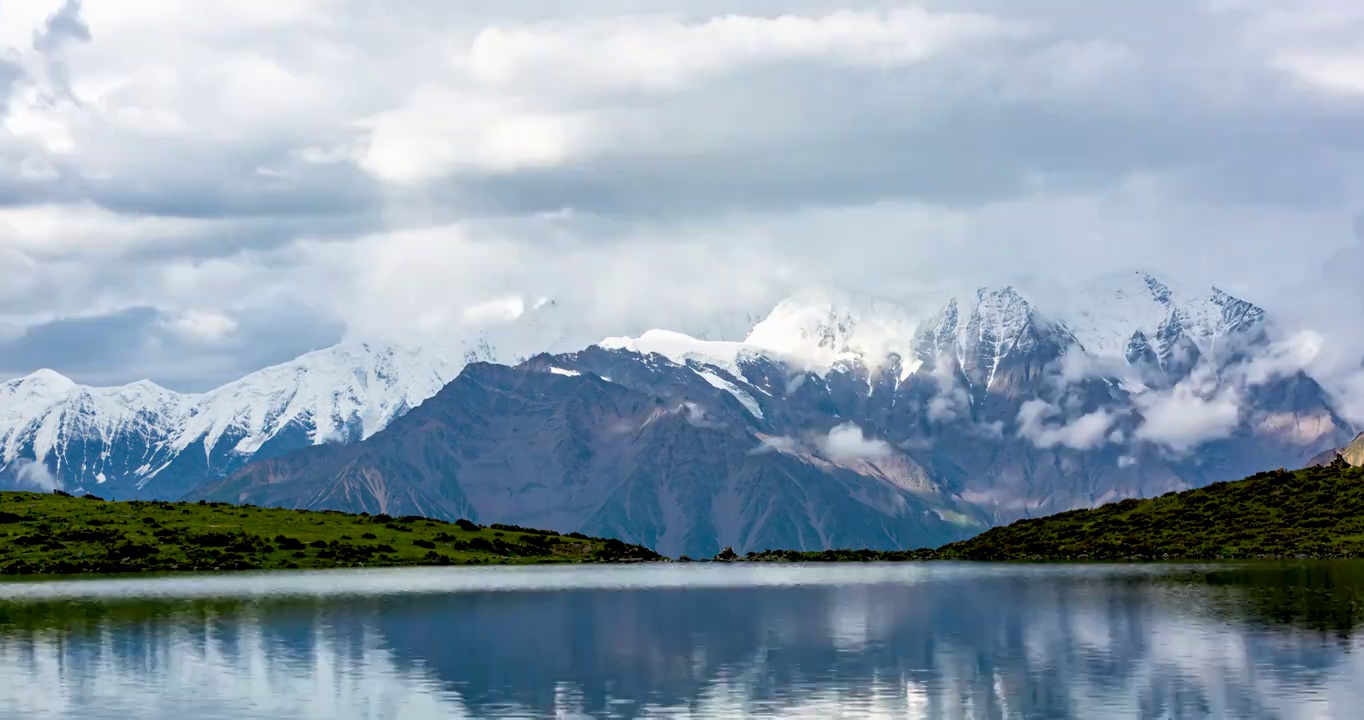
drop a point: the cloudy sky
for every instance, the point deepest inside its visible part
(190, 190)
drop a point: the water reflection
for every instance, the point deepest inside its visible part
(1267, 642)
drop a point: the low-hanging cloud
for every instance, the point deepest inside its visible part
(849, 442)
(951, 401)
(844, 443)
(1086, 432)
(1196, 410)
(36, 474)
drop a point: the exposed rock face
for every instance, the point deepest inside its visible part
(838, 421)
(144, 441)
(1352, 454)
(535, 447)
(692, 446)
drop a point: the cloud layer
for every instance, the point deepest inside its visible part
(256, 179)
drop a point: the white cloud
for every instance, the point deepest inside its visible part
(1086, 432)
(667, 52)
(203, 326)
(847, 442)
(777, 443)
(37, 475)
(443, 131)
(1287, 356)
(1194, 411)
(394, 166)
(513, 99)
(1334, 73)
(1077, 365)
(844, 443)
(493, 311)
(951, 401)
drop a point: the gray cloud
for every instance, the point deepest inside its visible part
(63, 27)
(10, 72)
(144, 343)
(313, 168)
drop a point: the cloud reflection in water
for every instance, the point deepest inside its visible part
(987, 645)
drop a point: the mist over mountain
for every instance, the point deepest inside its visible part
(836, 420)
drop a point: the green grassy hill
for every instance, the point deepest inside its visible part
(1316, 512)
(54, 534)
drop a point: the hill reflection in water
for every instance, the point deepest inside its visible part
(1271, 641)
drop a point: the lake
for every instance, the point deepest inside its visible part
(693, 641)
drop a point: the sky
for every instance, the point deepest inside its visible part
(190, 191)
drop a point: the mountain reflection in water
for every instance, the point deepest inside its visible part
(1256, 641)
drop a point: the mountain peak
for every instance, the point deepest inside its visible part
(822, 328)
(1104, 314)
(46, 379)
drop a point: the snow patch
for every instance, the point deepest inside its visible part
(566, 373)
(744, 398)
(681, 348)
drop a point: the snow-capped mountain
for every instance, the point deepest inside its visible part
(946, 415)
(841, 419)
(144, 440)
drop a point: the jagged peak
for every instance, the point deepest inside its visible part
(1003, 305)
(1102, 314)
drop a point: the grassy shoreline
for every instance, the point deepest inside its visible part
(1314, 513)
(51, 535)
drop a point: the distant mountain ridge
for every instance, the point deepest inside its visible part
(889, 423)
(142, 440)
(145, 441)
(841, 420)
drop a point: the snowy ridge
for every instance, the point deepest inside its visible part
(1104, 315)
(685, 349)
(352, 391)
(40, 410)
(819, 331)
(342, 393)
(822, 330)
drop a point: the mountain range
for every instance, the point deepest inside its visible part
(835, 421)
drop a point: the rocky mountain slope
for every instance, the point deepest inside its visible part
(1353, 454)
(541, 445)
(842, 421)
(144, 441)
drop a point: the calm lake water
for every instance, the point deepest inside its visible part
(893, 641)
